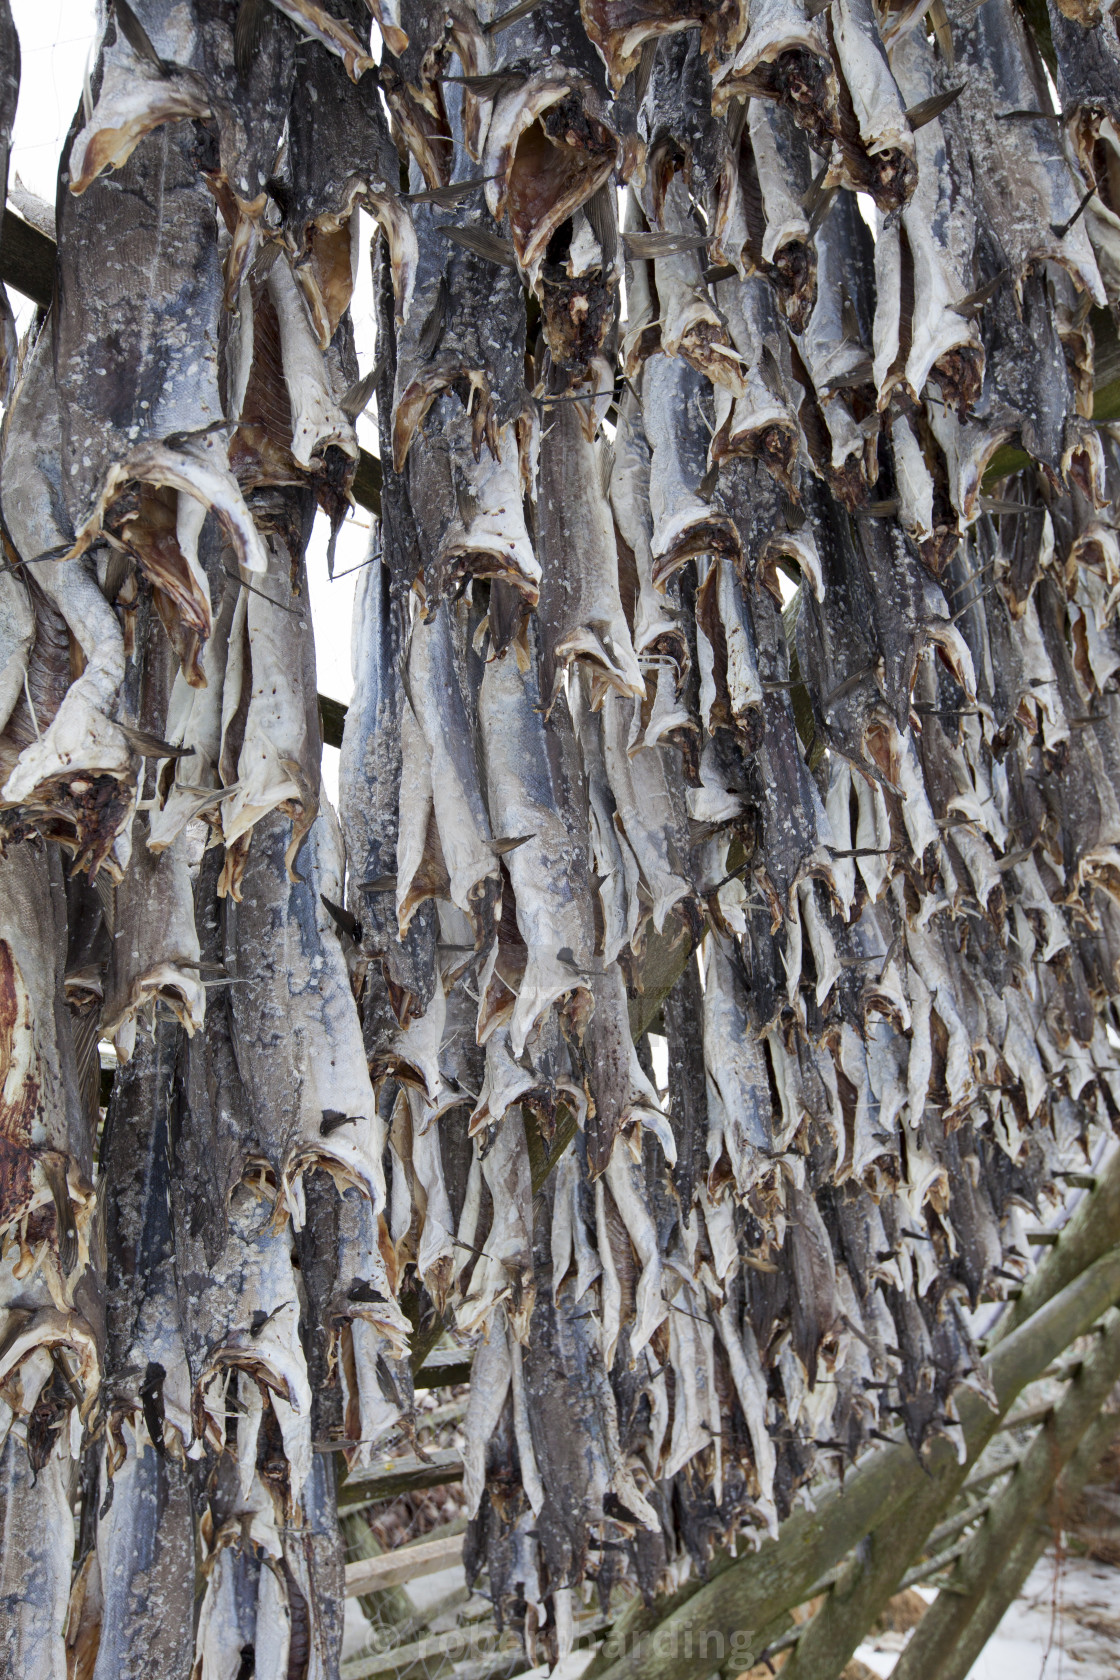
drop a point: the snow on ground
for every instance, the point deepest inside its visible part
(1065, 1625)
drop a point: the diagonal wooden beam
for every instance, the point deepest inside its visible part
(944, 1627)
(749, 1593)
(404, 1563)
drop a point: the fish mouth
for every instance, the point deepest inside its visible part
(421, 115)
(134, 100)
(793, 272)
(84, 811)
(798, 74)
(549, 153)
(620, 39)
(171, 984)
(770, 437)
(691, 532)
(143, 520)
(50, 1328)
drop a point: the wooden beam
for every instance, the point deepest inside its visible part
(27, 259)
(747, 1594)
(1027, 1547)
(1091, 1230)
(404, 1563)
(393, 1476)
(933, 1646)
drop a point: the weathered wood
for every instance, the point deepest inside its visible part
(781, 1574)
(405, 1563)
(1013, 1510)
(423, 1651)
(881, 1567)
(393, 1476)
(1092, 1229)
(27, 259)
(973, 1634)
(390, 1607)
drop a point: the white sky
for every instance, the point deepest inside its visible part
(56, 37)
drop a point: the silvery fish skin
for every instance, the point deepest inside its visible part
(1024, 184)
(690, 325)
(36, 1550)
(683, 524)
(504, 1275)
(470, 515)
(194, 722)
(761, 421)
(340, 156)
(246, 1320)
(121, 371)
(657, 618)
(649, 809)
(730, 690)
(155, 947)
(581, 612)
(296, 1033)
(227, 1617)
(134, 96)
(318, 422)
(527, 793)
(401, 977)
(268, 695)
(740, 1121)
(147, 1384)
(782, 163)
(146, 1553)
(939, 223)
(836, 349)
(478, 326)
(46, 1150)
(885, 164)
(82, 739)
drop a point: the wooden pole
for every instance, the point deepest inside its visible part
(748, 1594)
(930, 1652)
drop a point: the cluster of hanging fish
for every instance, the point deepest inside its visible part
(699, 686)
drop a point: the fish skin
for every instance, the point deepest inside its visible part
(531, 790)
(46, 1133)
(470, 512)
(299, 1015)
(146, 1552)
(82, 735)
(1024, 184)
(565, 1378)
(369, 804)
(740, 1116)
(36, 1550)
(141, 1293)
(340, 148)
(688, 1099)
(883, 163)
(683, 523)
(781, 159)
(786, 57)
(483, 335)
(158, 379)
